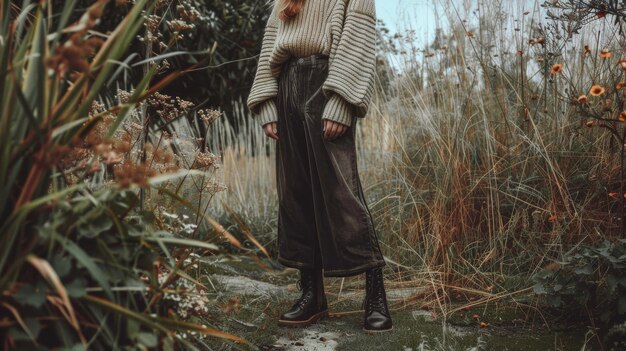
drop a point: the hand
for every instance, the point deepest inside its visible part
(270, 130)
(333, 130)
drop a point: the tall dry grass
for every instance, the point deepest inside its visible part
(477, 166)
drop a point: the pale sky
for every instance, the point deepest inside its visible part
(401, 14)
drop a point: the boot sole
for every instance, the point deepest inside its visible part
(374, 331)
(295, 324)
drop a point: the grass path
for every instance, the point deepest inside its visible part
(249, 300)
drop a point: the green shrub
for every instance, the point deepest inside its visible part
(590, 280)
(82, 265)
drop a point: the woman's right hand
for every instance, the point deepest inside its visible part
(270, 130)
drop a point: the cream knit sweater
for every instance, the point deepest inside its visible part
(344, 30)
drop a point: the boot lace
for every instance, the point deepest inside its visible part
(304, 286)
(376, 301)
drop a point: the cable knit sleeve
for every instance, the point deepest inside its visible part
(352, 67)
(261, 100)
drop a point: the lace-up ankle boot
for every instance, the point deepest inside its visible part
(377, 317)
(312, 305)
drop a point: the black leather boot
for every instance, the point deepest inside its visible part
(312, 305)
(377, 317)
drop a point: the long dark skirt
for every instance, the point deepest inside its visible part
(323, 218)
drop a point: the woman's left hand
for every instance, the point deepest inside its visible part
(333, 130)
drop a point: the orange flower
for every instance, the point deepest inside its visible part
(605, 54)
(620, 85)
(597, 90)
(558, 67)
(484, 324)
(622, 116)
(622, 63)
(583, 99)
(552, 218)
(469, 34)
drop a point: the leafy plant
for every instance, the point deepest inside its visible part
(616, 337)
(80, 262)
(591, 279)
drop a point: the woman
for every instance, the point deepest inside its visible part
(315, 78)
